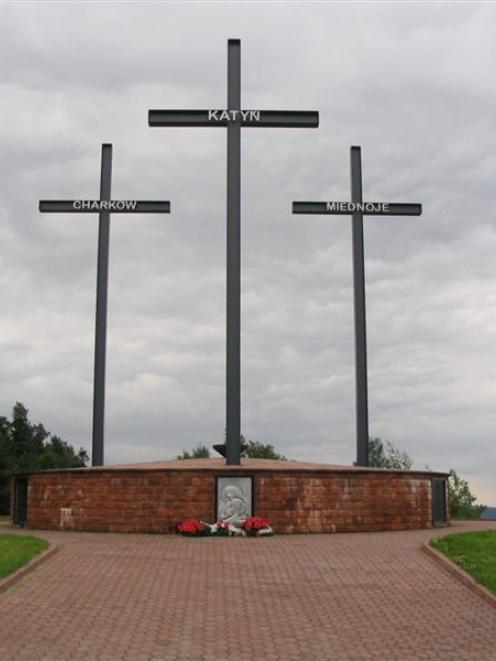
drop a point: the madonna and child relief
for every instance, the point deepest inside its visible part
(233, 499)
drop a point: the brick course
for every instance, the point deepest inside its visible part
(319, 500)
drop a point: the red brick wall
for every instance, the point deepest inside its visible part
(293, 501)
(344, 502)
(119, 501)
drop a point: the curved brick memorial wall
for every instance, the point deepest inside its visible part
(296, 497)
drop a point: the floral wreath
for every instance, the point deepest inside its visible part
(252, 526)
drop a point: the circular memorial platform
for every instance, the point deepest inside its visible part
(296, 497)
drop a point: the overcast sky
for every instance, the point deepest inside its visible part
(413, 84)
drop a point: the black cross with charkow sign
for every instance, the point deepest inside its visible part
(104, 207)
(233, 118)
(357, 208)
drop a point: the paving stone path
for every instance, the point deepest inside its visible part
(346, 597)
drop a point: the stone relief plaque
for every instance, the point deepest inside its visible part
(234, 498)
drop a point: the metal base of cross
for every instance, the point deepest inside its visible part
(221, 448)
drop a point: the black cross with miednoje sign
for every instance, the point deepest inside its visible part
(357, 208)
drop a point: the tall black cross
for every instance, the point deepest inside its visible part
(357, 209)
(104, 207)
(233, 117)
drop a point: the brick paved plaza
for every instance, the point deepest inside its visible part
(113, 597)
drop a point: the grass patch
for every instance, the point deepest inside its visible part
(17, 550)
(475, 552)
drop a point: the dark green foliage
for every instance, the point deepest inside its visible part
(200, 452)
(461, 501)
(384, 454)
(26, 447)
(259, 450)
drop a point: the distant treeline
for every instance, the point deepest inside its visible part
(489, 513)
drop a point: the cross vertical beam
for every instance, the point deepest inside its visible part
(233, 276)
(97, 458)
(361, 393)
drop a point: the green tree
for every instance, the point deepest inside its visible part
(259, 450)
(461, 501)
(252, 449)
(25, 446)
(59, 454)
(384, 454)
(200, 452)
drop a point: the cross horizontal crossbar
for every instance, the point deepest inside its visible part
(97, 206)
(249, 118)
(368, 208)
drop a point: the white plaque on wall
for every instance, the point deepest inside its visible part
(234, 498)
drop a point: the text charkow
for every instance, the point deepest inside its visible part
(232, 115)
(104, 205)
(353, 207)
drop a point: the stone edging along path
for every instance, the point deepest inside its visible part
(459, 573)
(9, 580)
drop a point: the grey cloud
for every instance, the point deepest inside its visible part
(413, 85)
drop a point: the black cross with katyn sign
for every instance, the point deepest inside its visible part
(357, 208)
(104, 207)
(233, 118)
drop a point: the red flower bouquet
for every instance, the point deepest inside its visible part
(192, 528)
(254, 525)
